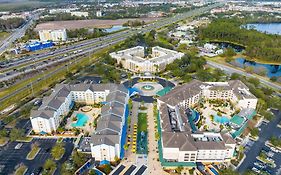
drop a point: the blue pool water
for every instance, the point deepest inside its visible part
(271, 70)
(81, 120)
(270, 28)
(214, 171)
(114, 29)
(221, 119)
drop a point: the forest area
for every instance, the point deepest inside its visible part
(260, 46)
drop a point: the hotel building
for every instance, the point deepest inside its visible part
(107, 140)
(53, 35)
(179, 140)
(134, 59)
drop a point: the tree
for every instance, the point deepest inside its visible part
(3, 133)
(16, 134)
(267, 115)
(49, 166)
(229, 52)
(234, 76)
(65, 169)
(92, 172)
(58, 151)
(126, 147)
(107, 168)
(228, 171)
(78, 158)
(254, 81)
(254, 132)
(179, 169)
(274, 78)
(249, 69)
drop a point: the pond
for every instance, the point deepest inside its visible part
(270, 28)
(271, 70)
(114, 29)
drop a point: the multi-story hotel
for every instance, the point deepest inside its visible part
(179, 140)
(53, 35)
(134, 59)
(107, 140)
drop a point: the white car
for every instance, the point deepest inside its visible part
(18, 146)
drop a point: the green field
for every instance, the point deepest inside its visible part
(21, 5)
(142, 122)
(3, 35)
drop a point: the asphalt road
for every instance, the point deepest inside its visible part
(121, 37)
(231, 70)
(18, 33)
(267, 130)
(88, 45)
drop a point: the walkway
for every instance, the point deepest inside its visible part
(154, 166)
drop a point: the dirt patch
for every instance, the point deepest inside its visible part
(93, 23)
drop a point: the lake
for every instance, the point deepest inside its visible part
(114, 29)
(271, 70)
(270, 28)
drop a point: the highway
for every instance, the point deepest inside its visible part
(231, 70)
(27, 64)
(18, 33)
(110, 40)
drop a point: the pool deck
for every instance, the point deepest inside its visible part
(89, 125)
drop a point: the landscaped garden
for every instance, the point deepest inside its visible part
(21, 170)
(33, 152)
(216, 114)
(142, 134)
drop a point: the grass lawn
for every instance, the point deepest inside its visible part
(3, 35)
(142, 122)
(21, 170)
(32, 154)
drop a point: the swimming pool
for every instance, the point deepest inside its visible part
(221, 119)
(81, 120)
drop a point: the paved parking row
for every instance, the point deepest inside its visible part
(253, 148)
(11, 157)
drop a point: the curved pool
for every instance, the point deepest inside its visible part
(81, 120)
(221, 119)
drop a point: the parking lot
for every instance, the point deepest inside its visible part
(253, 148)
(10, 157)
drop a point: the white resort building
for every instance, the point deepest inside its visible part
(53, 35)
(179, 140)
(106, 142)
(134, 59)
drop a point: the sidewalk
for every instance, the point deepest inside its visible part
(154, 166)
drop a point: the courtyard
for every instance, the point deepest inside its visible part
(84, 118)
(214, 114)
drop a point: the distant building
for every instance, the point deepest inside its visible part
(61, 10)
(53, 35)
(38, 46)
(79, 14)
(133, 59)
(99, 13)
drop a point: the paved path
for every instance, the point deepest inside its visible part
(231, 70)
(154, 166)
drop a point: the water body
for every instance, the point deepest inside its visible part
(114, 29)
(271, 69)
(269, 28)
